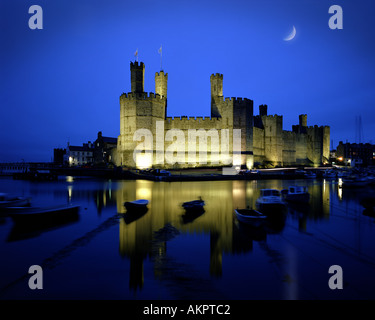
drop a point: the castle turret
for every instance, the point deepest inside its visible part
(161, 83)
(216, 85)
(263, 110)
(137, 77)
(216, 94)
(303, 120)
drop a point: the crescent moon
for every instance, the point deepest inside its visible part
(292, 35)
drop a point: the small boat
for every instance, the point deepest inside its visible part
(7, 201)
(270, 202)
(329, 174)
(194, 205)
(355, 181)
(300, 172)
(296, 194)
(36, 227)
(310, 175)
(136, 205)
(250, 216)
(42, 214)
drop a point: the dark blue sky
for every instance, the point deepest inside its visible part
(63, 83)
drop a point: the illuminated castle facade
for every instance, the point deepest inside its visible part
(143, 118)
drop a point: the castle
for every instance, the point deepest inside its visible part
(263, 140)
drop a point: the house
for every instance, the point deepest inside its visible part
(79, 155)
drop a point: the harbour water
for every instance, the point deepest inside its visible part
(163, 255)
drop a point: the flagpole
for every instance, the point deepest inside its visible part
(161, 57)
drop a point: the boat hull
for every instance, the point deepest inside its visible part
(195, 205)
(298, 198)
(271, 209)
(33, 215)
(251, 217)
(19, 202)
(136, 205)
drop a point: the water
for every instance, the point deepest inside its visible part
(162, 256)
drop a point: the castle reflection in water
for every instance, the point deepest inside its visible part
(147, 236)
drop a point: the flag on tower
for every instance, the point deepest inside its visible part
(136, 54)
(160, 51)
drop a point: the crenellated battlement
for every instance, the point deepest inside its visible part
(230, 100)
(316, 127)
(148, 96)
(193, 119)
(135, 64)
(161, 74)
(216, 75)
(275, 116)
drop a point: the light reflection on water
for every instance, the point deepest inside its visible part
(164, 255)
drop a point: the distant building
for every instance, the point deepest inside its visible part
(354, 154)
(103, 148)
(79, 155)
(58, 155)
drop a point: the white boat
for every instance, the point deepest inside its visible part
(297, 194)
(7, 201)
(250, 216)
(136, 204)
(270, 202)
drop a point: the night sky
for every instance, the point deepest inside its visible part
(63, 83)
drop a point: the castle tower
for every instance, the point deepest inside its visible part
(216, 85)
(137, 77)
(139, 110)
(263, 110)
(161, 83)
(161, 86)
(303, 120)
(216, 94)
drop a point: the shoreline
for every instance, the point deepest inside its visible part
(214, 174)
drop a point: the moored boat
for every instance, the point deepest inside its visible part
(194, 205)
(355, 181)
(296, 194)
(310, 175)
(270, 202)
(41, 214)
(250, 216)
(7, 201)
(136, 204)
(329, 174)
